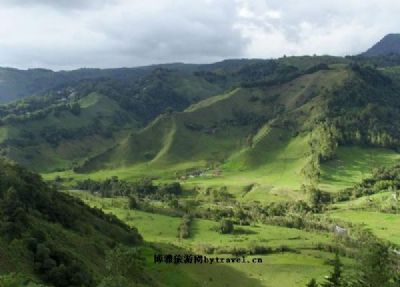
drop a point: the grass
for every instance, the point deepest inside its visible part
(353, 164)
(277, 177)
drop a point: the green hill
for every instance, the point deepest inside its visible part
(276, 122)
(55, 131)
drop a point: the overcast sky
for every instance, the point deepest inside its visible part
(68, 34)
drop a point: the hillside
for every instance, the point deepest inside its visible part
(298, 120)
(60, 124)
(50, 237)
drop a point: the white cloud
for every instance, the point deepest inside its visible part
(315, 27)
(111, 33)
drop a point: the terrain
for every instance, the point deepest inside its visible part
(292, 162)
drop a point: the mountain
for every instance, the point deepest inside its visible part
(390, 44)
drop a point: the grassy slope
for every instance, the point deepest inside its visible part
(353, 164)
(168, 141)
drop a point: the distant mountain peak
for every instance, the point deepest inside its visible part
(390, 44)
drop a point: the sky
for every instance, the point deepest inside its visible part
(70, 34)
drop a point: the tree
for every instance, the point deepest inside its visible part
(226, 226)
(335, 278)
(312, 283)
